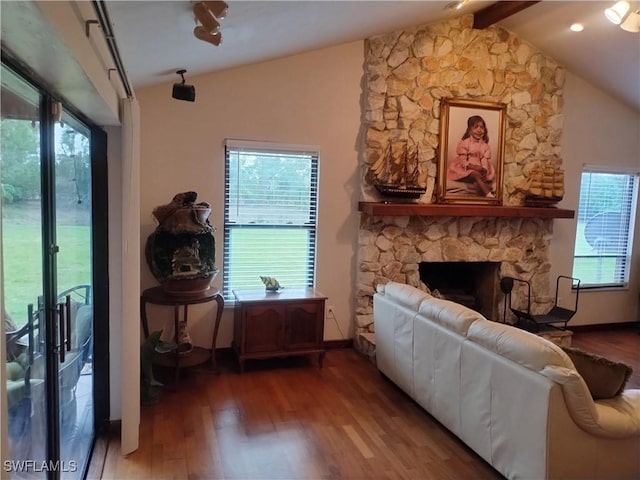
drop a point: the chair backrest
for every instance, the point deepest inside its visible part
(26, 341)
(81, 328)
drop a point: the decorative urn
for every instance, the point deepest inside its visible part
(181, 251)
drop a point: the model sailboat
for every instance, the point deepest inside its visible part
(399, 175)
(545, 186)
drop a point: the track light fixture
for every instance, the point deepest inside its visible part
(632, 22)
(218, 8)
(182, 91)
(621, 14)
(201, 34)
(208, 14)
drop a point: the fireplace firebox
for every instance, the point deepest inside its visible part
(473, 284)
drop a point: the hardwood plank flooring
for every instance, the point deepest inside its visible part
(288, 419)
(618, 345)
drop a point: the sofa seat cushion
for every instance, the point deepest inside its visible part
(450, 315)
(14, 371)
(17, 388)
(525, 348)
(604, 378)
(16, 391)
(403, 294)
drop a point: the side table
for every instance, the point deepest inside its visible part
(199, 355)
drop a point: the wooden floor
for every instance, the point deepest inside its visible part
(617, 345)
(287, 419)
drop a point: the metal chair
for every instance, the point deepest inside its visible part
(556, 318)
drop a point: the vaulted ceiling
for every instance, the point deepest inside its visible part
(156, 39)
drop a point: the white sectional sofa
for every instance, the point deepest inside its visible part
(513, 397)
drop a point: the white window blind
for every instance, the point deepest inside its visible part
(270, 216)
(604, 236)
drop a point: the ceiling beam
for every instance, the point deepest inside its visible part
(498, 11)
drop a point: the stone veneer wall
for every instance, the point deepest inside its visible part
(407, 74)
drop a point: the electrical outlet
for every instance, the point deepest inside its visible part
(331, 316)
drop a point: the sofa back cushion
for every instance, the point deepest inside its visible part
(525, 348)
(450, 315)
(403, 294)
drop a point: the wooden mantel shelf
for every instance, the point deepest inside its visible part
(442, 210)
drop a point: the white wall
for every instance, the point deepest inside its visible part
(311, 99)
(598, 130)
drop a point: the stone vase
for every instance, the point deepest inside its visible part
(181, 251)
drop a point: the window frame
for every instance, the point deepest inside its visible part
(233, 145)
(634, 177)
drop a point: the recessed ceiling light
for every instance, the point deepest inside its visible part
(576, 27)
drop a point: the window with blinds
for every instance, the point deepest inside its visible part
(270, 215)
(604, 236)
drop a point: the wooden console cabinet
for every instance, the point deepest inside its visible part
(278, 324)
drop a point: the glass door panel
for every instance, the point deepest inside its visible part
(74, 292)
(20, 167)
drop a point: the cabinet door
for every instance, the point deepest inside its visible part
(305, 322)
(263, 328)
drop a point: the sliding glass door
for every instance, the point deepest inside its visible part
(73, 232)
(47, 247)
(22, 235)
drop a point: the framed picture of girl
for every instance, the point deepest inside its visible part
(470, 166)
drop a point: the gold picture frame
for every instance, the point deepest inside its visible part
(470, 166)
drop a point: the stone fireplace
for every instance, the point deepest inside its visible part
(407, 74)
(393, 248)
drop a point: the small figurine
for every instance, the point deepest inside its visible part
(271, 284)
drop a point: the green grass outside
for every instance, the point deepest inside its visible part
(22, 245)
(591, 271)
(277, 252)
(274, 252)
